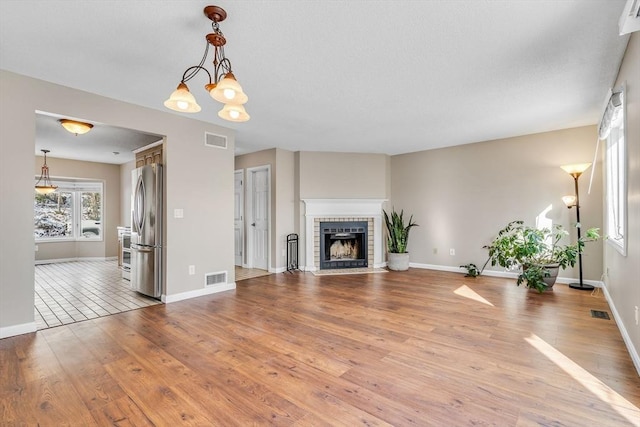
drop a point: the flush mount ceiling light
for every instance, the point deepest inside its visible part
(73, 126)
(44, 184)
(222, 86)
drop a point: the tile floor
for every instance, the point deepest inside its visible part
(248, 273)
(70, 292)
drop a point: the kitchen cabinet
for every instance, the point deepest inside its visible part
(149, 156)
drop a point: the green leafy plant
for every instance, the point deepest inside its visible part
(535, 250)
(398, 231)
(472, 270)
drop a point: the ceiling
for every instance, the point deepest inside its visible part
(345, 76)
(103, 144)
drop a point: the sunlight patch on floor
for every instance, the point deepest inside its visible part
(588, 381)
(467, 292)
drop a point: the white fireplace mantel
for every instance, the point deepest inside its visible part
(343, 208)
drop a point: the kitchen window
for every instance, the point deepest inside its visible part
(72, 212)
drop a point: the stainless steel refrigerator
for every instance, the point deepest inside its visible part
(146, 230)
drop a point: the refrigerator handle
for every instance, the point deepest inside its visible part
(139, 207)
(139, 248)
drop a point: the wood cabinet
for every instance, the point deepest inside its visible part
(149, 156)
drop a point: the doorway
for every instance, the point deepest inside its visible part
(238, 217)
(258, 217)
(77, 275)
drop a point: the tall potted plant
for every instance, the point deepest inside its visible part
(538, 252)
(397, 239)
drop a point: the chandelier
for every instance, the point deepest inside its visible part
(44, 184)
(222, 86)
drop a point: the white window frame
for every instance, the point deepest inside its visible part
(616, 182)
(77, 188)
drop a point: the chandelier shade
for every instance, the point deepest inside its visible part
(44, 184)
(73, 126)
(222, 86)
(182, 100)
(233, 113)
(229, 91)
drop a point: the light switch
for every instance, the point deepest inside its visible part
(178, 213)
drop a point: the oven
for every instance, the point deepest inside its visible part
(124, 236)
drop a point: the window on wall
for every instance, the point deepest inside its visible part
(612, 130)
(73, 212)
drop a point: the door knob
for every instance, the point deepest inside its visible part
(253, 224)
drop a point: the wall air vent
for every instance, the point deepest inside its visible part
(630, 19)
(211, 279)
(213, 140)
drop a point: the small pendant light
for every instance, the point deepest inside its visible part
(44, 184)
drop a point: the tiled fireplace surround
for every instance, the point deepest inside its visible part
(343, 210)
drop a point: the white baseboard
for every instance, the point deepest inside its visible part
(24, 328)
(277, 270)
(220, 287)
(635, 358)
(498, 273)
(437, 267)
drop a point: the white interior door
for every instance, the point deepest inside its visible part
(238, 217)
(259, 226)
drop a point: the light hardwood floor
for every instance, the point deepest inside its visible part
(414, 348)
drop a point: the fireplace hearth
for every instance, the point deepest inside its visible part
(343, 245)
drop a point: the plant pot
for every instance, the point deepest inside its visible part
(553, 270)
(549, 280)
(398, 262)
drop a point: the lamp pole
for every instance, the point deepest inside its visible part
(580, 285)
(575, 171)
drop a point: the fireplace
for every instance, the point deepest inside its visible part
(366, 212)
(343, 245)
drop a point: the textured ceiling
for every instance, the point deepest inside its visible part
(353, 76)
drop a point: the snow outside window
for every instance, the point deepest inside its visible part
(73, 212)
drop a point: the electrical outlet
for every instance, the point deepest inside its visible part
(452, 251)
(178, 213)
(192, 270)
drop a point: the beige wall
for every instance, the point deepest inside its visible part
(199, 181)
(321, 175)
(462, 196)
(284, 205)
(282, 198)
(125, 193)
(110, 176)
(623, 272)
(343, 175)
